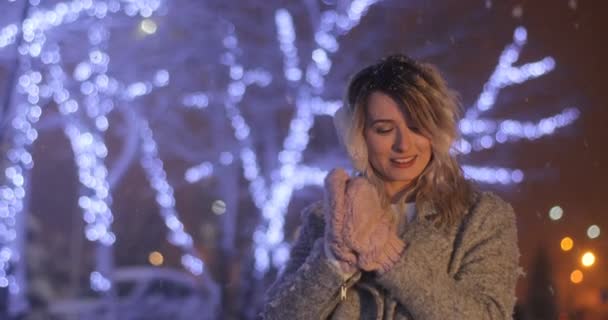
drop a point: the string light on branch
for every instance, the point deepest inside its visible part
(99, 91)
(165, 199)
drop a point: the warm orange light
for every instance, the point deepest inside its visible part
(156, 258)
(588, 259)
(576, 276)
(567, 243)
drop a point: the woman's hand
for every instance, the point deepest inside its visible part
(335, 213)
(368, 229)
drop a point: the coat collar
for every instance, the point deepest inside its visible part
(424, 210)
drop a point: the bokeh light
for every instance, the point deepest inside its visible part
(156, 258)
(148, 26)
(593, 232)
(588, 259)
(218, 207)
(576, 276)
(556, 213)
(567, 243)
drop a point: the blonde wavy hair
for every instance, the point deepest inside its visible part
(427, 102)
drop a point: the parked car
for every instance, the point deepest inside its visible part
(149, 293)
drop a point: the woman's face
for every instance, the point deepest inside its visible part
(396, 150)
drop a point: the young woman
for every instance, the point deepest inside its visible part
(407, 237)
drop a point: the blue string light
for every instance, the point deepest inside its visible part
(95, 199)
(153, 167)
(287, 36)
(98, 92)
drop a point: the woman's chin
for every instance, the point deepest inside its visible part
(400, 178)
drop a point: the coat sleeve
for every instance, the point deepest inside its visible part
(308, 287)
(482, 287)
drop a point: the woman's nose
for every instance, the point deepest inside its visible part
(402, 142)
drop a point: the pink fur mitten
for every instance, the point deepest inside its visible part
(370, 230)
(335, 196)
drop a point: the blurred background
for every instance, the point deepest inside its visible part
(155, 154)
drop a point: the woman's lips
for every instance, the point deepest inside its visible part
(404, 164)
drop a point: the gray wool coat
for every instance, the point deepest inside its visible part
(468, 271)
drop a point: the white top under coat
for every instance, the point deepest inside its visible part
(405, 215)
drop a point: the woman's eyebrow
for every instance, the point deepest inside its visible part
(373, 122)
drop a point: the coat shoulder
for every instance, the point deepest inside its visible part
(490, 209)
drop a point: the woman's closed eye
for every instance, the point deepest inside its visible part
(383, 130)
